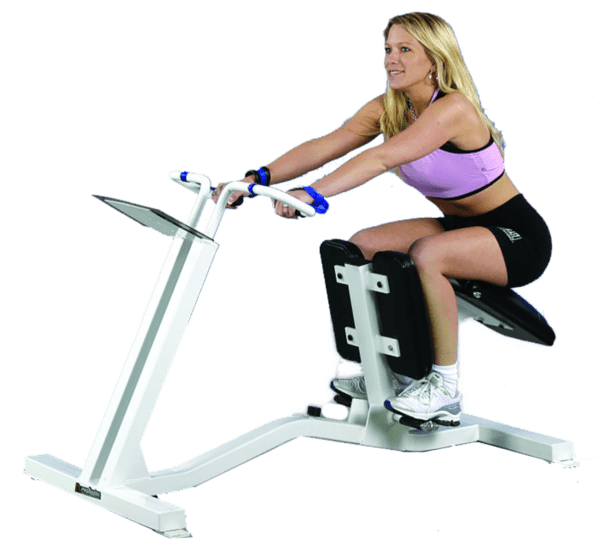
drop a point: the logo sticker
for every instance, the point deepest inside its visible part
(511, 234)
(87, 491)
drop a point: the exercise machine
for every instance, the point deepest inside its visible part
(378, 318)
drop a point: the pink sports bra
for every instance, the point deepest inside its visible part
(451, 173)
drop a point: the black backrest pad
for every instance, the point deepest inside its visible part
(402, 313)
(337, 252)
(523, 321)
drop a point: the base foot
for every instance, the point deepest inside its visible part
(571, 463)
(178, 533)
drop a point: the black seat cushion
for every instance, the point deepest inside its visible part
(518, 318)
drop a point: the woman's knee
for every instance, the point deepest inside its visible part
(425, 253)
(366, 242)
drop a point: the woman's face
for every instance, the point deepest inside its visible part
(406, 62)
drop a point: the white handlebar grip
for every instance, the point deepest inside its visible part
(175, 176)
(191, 181)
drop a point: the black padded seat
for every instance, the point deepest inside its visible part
(504, 311)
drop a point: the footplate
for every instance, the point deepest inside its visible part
(428, 425)
(343, 400)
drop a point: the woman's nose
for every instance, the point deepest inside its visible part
(391, 59)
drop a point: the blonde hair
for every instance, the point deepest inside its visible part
(439, 41)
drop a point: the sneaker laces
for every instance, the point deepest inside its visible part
(423, 388)
(358, 383)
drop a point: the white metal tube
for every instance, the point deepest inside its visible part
(278, 195)
(198, 183)
(193, 181)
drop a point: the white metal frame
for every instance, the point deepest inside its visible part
(115, 475)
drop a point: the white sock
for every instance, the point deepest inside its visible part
(450, 375)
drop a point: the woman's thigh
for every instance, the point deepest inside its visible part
(396, 236)
(468, 253)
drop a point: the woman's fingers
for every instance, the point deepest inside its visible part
(285, 211)
(235, 199)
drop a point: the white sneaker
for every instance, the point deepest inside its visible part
(428, 400)
(355, 386)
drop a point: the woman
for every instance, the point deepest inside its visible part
(438, 140)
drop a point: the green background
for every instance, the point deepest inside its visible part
(108, 97)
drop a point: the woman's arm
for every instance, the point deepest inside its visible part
(360, 169)
(359, 130)
(439, 123)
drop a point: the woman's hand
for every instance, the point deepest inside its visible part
(290, 212)
(234, 196)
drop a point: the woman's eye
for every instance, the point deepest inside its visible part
(403, 49)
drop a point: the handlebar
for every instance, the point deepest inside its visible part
(201, 185)
(278, 195)
(191, 181)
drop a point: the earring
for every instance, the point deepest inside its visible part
(431, 77)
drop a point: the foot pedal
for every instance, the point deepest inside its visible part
(427, 426)
(447, 423)
(343, 400)
(313, 411)
(431, 425)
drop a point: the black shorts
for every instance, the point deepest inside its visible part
(522, 234)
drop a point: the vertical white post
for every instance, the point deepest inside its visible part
(115, 455)
(366, 336)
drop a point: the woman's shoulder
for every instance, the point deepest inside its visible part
(454, 100)
(458, 112)
(373, 107)
(366, 120)
(456, 109)
(453, 96)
